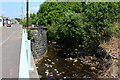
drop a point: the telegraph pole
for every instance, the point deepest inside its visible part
(27, 6)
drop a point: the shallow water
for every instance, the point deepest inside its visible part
(53, 65)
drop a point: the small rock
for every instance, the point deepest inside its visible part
(51, 75)
(55, 69)
(62, 73)
(47, 72)
(64, 77)
(114, 57)
(84, 76)
(49, 60)
(58, 74)
(70, 59)
(76, 49)
(75, 52)
(75, 60)
(52, 63)
(73, 64)
(51, 66)
(47, 65)
(92, 68)
(54, 42)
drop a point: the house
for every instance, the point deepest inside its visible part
(6, 20)
(1, 21)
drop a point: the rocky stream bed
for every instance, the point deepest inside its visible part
(54, 66)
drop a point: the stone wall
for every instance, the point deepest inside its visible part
(39, 43)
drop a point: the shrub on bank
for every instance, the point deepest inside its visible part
(77, 24)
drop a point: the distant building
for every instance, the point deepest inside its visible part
(1, 21)
(4, 21)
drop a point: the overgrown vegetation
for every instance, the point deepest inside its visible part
(78, 28)
(77, 24)
(33, 20)
(30, 35)
(18, 19)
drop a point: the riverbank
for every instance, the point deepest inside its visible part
(53, 65)
(61, 63)
(113, 49)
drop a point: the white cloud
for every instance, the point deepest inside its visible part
(34, 9)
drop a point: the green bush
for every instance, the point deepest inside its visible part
(23, 22)
(32, 20)
(79, 25)
(30, 35)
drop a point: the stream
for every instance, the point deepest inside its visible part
(52, 65)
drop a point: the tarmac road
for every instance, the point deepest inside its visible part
(11, 47)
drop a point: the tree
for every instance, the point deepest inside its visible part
(23, 22)
(32, 20)
(18, 19)
(76, 24)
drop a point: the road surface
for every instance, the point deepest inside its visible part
(0, 54)
(11, 47)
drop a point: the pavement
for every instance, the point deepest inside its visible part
(11, 47)
(34, 73)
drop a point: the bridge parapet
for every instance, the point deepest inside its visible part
(26, 57)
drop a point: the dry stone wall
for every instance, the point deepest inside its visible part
(39, 43)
